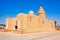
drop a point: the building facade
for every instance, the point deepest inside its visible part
(29, 23)
(2, 27)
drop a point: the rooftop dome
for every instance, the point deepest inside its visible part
(31, 12)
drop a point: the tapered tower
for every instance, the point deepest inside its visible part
(41, 13)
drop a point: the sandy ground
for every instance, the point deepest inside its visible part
(34, 36)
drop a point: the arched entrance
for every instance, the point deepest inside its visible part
(16, 27)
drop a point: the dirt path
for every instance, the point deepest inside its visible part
(33, 36)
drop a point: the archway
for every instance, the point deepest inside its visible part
(16, 27)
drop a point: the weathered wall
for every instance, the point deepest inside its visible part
(10, 23)
(28, 23)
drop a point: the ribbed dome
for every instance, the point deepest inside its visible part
(31, 12)
(41, 10)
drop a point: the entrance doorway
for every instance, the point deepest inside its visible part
(16, 27)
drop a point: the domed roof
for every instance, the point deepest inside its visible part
(31, 12)
(19, 14)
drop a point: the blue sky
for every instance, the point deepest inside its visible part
(10, 8)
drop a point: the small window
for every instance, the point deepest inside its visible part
(39, 19)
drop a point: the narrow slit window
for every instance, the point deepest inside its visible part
(30, 19)
(43, 21)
